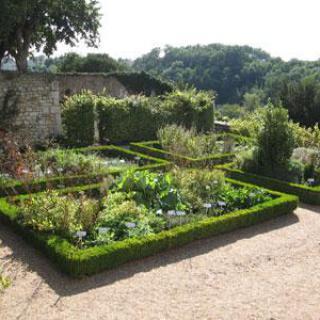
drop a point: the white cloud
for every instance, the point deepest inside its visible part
(283, 28)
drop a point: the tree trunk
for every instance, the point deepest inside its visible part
(22, 61)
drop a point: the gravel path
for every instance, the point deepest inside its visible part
(268, 271)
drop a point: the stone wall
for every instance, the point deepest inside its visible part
(38, 96)
(36, 100)
(73, 83)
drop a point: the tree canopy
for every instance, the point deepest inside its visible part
(241, 75)
(73, 62)
(41, 24)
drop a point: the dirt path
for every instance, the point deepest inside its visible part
(269, 271)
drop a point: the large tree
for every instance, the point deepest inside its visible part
(41, 24)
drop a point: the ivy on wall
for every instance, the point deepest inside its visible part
(9, 108)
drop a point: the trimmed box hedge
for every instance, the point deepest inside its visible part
(153, 148)
(307, 194)
(18, 187)
(81, 262)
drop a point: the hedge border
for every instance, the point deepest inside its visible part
(18, 187)
(216, 159)
(308, 195)
(78, 263)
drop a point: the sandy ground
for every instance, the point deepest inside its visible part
(269, 271)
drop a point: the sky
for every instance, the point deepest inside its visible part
(286, 29)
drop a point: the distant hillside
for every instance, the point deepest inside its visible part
(231, 71)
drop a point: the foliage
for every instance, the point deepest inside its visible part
(78, 117)
(241, 74)
(306, 137)
(199, 186)
(143, 83)
(96, 63)
(229, 111)
(275, 141)
(61, 214)
(306, 193)
(191, 108)
(249, 125)
(252, 101)
(49, 169)
(55, 162)
(43, 24)
(91, 260)
(297, 85)
(181, 141)
(138, 118)
(137, 204)
(4, 282)
(229, 70)
(274, 147)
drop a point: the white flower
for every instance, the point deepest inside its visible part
(103, 230)
(159, 212)
(81, 234)
(171, 213)
(137, 158)
(130, 225)
(221, 203)
(122, 161)
(180, 213)
(311, 181)
(207, 205)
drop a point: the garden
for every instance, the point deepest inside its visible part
(159, 176)
(284, 156)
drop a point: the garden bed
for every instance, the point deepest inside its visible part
(307, 194)
(86, 260)
(117, 160)
(154, 149)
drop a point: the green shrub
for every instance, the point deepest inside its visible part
(274, 147)
(129, 119)
(275, 140)
(78, 114)
(134, 118)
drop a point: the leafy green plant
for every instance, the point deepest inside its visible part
(4, 282)
(187, 142)
(137, 204)
(56, 162)
(199, 186)
(52, 212)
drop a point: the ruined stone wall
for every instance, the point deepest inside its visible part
(97, 83)
(38, 96)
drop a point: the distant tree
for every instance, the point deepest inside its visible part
(302, 99)
(72, 62)
(41, 24)
(229, 70)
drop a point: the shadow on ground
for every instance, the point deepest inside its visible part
(65, 286)
(310, 207)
